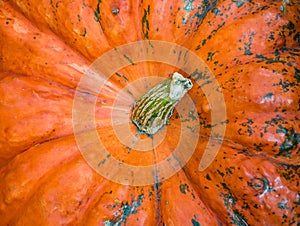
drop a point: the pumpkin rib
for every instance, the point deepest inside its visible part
(94, 199)
(21, 131)
(236, 81)
(31, 174)
(242, 149)
(5, 74)
(266, 134)
(183, 16)
(118, 24)
(219, 61)
(219, 67)
(176, 192)
(212, 27)
(252, 152)
(231, 194)
(33, 50)
(86, 42)
(227, 33)
(24, 91)
(220, 18)
(56, 202)
(118, 208)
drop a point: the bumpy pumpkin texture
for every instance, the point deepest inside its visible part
(251, 47)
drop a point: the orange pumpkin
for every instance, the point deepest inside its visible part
(251, 48)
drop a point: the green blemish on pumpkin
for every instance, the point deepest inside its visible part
(238, 219)
(250, 131)
(275, 121)
(128, 59)
(97, 15)
(289, 26)
(128, 91)
(261, 185)
(184, 20)
(228, 170)
(184, 188)
(297, 203)
(115, 10)
(229, 201)
(204, 8)
(208, 177)
(239, 3)
(203, 122)
(216, 11)
(247, 50)
(247, 45)
(270, 60)
(122, 76)
(203, 42)
(261, 134)
(195, 222)
(283, 6)
(207, 125)
(268, 96)
(221, 173)
(145, 23)
(297, 37)
(286, 85)
(210, 56)
(224, 185)
(292, 139)
(84, 32)
(297, 74)
(282, 205)
(192, 115)
(258, 147)
(101, 162)
(97, 12)
(125, 211)
(224, 122)
(198, 75)
(188, 7)
(217, 29)
(271, 36)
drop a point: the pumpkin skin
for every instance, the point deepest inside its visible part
(252, 47)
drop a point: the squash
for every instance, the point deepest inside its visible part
(250, 47)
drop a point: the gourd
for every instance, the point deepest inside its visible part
(251, 48)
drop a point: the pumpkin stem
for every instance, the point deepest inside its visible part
(154, 108)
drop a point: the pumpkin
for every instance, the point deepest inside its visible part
(250, 47)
